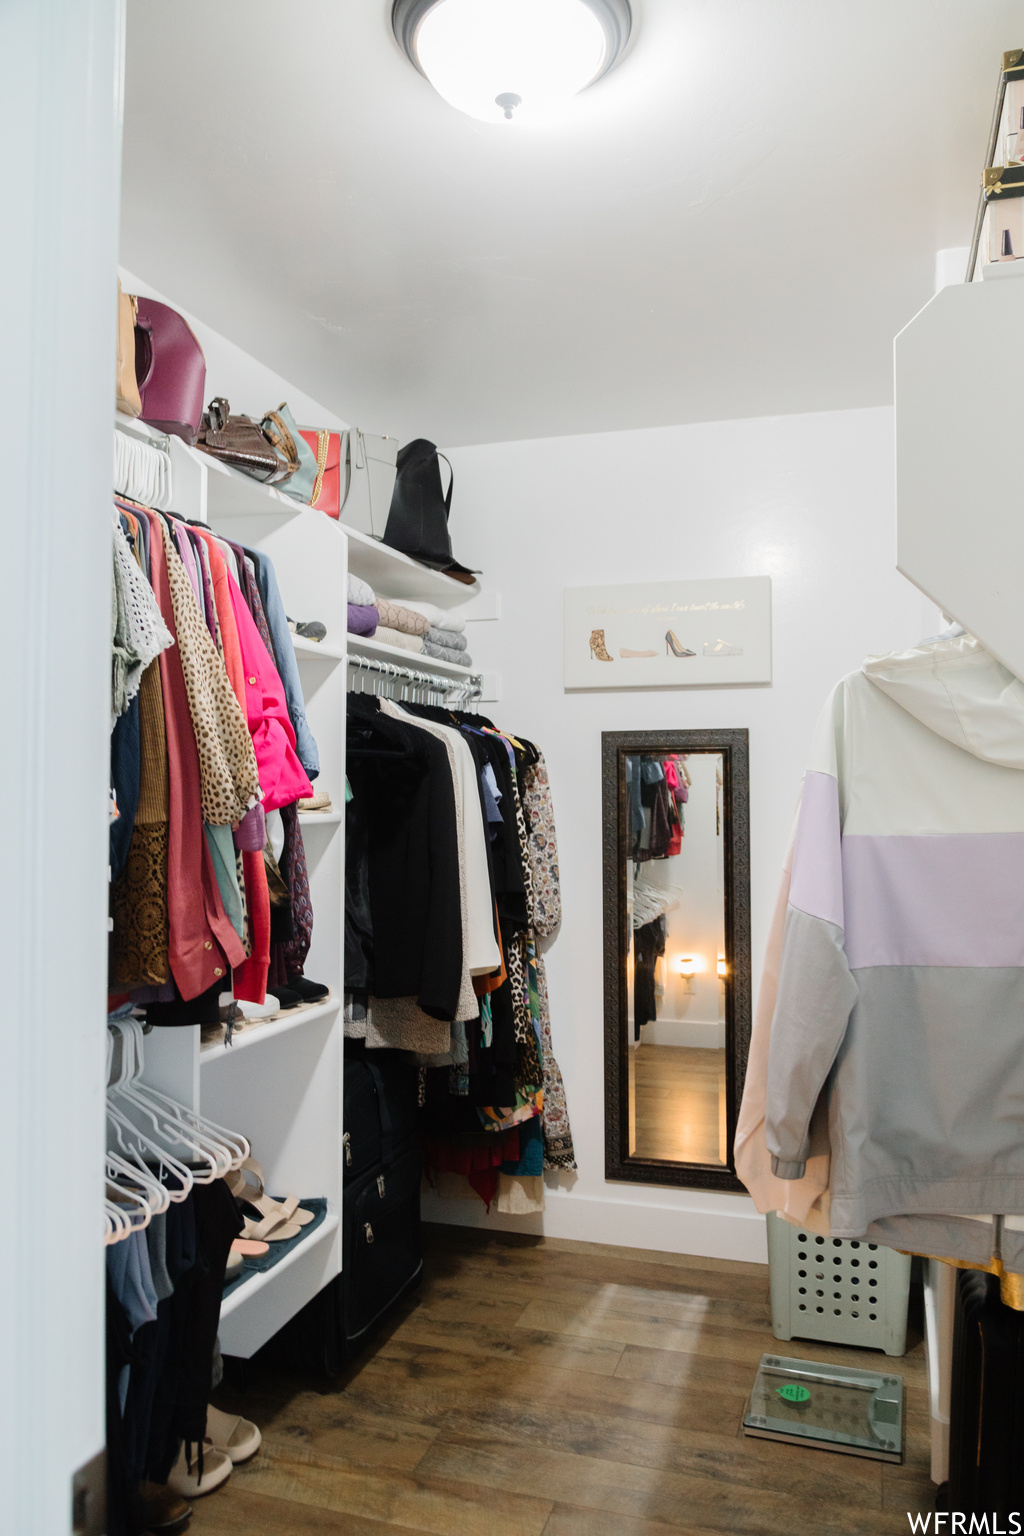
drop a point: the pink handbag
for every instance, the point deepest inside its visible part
(171, 370)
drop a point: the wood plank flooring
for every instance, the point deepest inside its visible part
(679, 1103)
(537, 1387)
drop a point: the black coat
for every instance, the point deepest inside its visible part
(402, 788)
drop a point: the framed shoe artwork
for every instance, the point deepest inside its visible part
(669, 634)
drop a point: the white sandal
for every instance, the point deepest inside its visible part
(236, 1437)
(247, 1185)
(274, 1228)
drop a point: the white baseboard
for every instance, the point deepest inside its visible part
(705, 1034)
(662, 1228)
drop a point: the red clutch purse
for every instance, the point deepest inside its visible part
(326, 446)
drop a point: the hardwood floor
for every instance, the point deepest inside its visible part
(679, 1103)
(537, 1387)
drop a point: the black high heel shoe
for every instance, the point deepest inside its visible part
(672, 644)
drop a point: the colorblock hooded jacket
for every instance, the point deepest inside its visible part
(888, 1081)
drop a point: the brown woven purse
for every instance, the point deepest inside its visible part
(240, 442)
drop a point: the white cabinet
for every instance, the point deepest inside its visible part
(959, 487)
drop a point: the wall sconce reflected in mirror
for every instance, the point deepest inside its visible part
(722, 968)
(687, 966)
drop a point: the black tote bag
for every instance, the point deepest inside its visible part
(418, 519)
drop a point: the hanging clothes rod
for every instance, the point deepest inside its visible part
(464, 688)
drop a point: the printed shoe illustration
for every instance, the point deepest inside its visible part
(598, 649)
(720, 648)
(628, 654)
(674, 645)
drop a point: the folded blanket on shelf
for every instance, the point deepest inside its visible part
(398, 616)
(440, 617)
(362, 619)
(450, 638)
(388, 636)
(444, 653)
(360, 592)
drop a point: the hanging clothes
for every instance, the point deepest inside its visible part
(487, 1064)
(872, 1102)
(203, 746)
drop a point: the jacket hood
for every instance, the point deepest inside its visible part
(958, 689)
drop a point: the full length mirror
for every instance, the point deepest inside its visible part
(677, 953)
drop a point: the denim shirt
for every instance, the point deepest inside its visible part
(287, 666)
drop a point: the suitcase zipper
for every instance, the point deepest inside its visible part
(369, 1231)
(380, 1185)
(346, 1142)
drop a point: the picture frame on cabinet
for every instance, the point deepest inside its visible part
(715, 632)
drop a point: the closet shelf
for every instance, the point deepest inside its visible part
(265, 1277)
(396, 575)
(232, 494)
(359, 646)
(319, 818)
(229, 493)
(294, 1018)
(133, 427)
(322, 649)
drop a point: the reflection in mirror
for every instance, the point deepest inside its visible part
(676, 962)
(676, 953)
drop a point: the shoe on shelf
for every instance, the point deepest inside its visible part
(248, 1187)
(240, 1013)
(249, 1248)
(155, 1507)
(186, 1481)
(311, 630)
(309, 991)
(272, 1229)
(287, 998)
(320, 800)
(229, 1432)
(722, 648)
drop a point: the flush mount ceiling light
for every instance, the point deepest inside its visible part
(511, 60)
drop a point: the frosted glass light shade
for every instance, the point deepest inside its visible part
(534, 55)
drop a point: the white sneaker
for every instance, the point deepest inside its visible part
(186, 1482)
(721, 649)
(249, 1012)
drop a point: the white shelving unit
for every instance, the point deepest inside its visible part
(358, 645)
(281, 1083)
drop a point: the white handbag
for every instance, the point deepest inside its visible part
(369, 481)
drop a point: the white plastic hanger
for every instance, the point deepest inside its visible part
(137, 1146)
(229, 1148)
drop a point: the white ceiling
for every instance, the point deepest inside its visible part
(734, 222)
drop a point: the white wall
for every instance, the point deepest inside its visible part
(60, 107)
(807, 500)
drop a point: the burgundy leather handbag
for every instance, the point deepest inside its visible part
(170, 369)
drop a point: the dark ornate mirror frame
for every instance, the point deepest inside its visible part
(734, 747)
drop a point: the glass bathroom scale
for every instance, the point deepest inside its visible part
(830, 1407)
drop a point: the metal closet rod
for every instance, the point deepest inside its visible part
(437, 682)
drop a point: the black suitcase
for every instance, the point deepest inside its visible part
(382, 1251)
(382, 1256)
(986, 1429)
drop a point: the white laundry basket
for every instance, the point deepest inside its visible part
(835, 1289)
